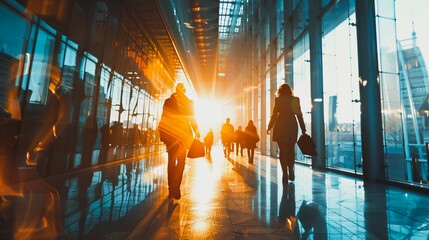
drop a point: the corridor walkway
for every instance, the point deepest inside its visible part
(230, 199)
(221, 199)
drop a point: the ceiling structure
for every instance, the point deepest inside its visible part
(205, 15)
(192, 35)
(151, 30)
(186, 32)
(230, 15)
(229, 21)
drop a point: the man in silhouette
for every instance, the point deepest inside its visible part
(175, 129)
(227, 136)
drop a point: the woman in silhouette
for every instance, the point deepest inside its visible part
(285, 128)
(250, 139)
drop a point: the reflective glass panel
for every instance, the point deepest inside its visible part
(41, 67)
(408, 101)
(13, 31)
(302, 86)
(341, 88)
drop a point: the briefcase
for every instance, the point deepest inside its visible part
(197, 149)
(306, 145)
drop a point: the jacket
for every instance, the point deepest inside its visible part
(177, 121)
(251, 137)
(283, 120)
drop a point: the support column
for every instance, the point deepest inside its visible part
(316, 74)
(288, 38)
(262, 83)
(371, 121)
(274, 41)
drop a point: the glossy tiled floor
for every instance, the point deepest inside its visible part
(231, 199)
(228, 199)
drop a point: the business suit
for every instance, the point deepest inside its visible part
(285, 131)
(175, 128)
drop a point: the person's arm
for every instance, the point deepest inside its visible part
(298, 113)
(273, 116)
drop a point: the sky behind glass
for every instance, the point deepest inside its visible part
(408, 11)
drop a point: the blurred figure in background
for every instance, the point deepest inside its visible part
(227, 136)
(208, 141)
(239, 141)
(251, 137)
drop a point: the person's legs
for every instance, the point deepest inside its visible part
(172, 156)
(241, 149)
(181, 158)
(283, 162)
(291, 160)
(248, 155)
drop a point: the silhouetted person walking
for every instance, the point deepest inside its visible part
(208, 141)
(250, 139)
(227, 136)
(239, 141)
(285, 128)
(175, 128)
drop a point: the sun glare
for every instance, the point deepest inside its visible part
(209, 113)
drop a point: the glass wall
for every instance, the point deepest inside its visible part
(302, 86)
(403, 52)
(403, 76)
(300, 17)
(341, 88)
(70, 102)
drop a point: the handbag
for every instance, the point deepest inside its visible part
(306, 145)
(196, 150)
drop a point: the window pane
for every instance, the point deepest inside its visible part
(301, 84)
(386, 8)
(116, 99)
(126, 93)
(13, 30)
(300, 18)
(341, 89)
(387, 41)
(41, 67)
(403, 52)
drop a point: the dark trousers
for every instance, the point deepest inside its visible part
(176, 165)
(287, 161)
(250, 154)
(238, 148)
(227, 147)
(208, 148)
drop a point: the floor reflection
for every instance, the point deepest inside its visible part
(224, 199)
(110, 202)
(327, 205)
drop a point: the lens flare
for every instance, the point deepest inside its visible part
(209, 113)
